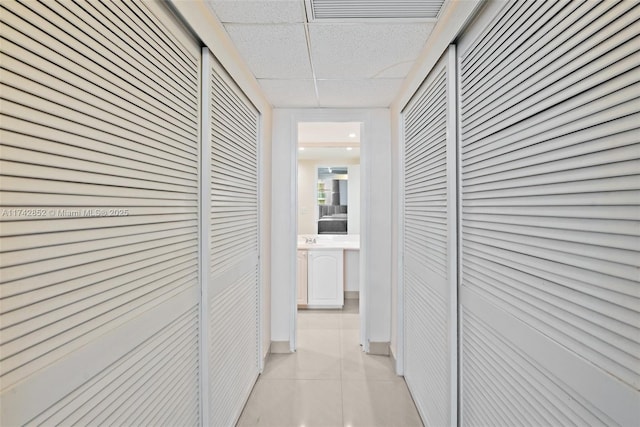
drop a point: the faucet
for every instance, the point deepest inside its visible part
(310, 240)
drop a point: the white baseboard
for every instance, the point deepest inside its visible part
(280, 347)
(351, 295)
(379, 348)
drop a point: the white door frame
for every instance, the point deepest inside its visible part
(331, 115)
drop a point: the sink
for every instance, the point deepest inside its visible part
(328, 241)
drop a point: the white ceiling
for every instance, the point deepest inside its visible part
(300, 61)
(328, 133)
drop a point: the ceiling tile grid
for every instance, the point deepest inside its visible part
(276, 51)
(259, 11)
(328, 63)
(290, 93)
(366, 50)
(358, 93)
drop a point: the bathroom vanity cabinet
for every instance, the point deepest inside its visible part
(325, 278)
(326, 268)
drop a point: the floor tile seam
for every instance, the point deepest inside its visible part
(341, 396)
(340, 354)
(372, 380)
(302, 379)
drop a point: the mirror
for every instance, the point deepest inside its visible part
(333, 199)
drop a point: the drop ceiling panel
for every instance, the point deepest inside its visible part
(366, 50)
(358, 93)
(399, 69)
(258, 12)
(290, 93)
(273, 51)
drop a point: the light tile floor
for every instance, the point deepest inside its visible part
(329, 381)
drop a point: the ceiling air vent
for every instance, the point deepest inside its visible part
(374, 9)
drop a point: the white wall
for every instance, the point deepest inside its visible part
(351, 271)
(376, 230)
(353, 216)
(375, 242)
(306, 197)
(283, 224)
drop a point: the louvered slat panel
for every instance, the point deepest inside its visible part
(118, 94)
(41, 28)
(427, 224)
(434, 310)
(121, 393)
(233, 221)
(234, 152)
(550, 216)
(570, 65)
(233, 348)
(521, 389)
(99, 162)
(117, 34)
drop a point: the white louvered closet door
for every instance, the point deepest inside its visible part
(429, 250)
(233, 288)
(98, 234)
(550, 147)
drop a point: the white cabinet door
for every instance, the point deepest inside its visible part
(302, 277)
(325, 278)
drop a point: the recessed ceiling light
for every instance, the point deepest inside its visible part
(352, 135)
(301, 148)
(349, 148)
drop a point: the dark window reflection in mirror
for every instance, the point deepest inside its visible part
(332, 199)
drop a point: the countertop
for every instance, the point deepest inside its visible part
(345, 242)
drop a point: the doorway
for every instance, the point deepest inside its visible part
(328, 182)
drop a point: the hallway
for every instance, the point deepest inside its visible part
(149, 213)
(329, 381)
